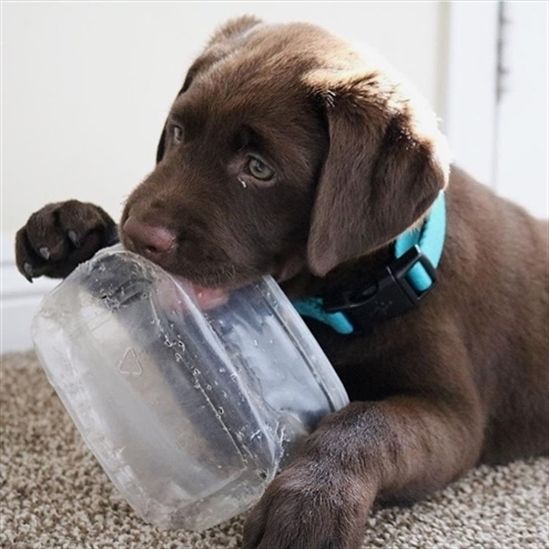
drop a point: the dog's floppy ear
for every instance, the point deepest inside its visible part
(221, 44)
(385, 166)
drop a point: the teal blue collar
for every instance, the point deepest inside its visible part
(397, 288)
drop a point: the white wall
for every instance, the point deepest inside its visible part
(500, 138)
(86, 86)
(520, 170)
(471, 106)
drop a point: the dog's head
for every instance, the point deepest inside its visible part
(284, 150)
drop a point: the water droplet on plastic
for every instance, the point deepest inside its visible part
(208, 387)
(220, 410)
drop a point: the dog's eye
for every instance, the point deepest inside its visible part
(259, 169)
(177, 134)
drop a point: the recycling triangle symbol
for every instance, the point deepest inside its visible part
(130, 365)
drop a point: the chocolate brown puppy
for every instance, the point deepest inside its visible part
(286, 152)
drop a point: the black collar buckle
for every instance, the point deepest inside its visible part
(389, 295)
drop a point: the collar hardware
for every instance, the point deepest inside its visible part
(389, 295)
(395, 289)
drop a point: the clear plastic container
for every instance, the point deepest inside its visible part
(190, 412)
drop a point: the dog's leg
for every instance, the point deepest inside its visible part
(402, 447)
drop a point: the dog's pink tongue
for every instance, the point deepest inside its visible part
(208, 298)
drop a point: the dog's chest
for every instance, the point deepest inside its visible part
(365, 363)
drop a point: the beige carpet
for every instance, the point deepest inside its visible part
(53, 493)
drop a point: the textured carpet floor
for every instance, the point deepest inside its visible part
(54, 494)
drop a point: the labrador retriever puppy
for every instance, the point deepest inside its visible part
(286, 152)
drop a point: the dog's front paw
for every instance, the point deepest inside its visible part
(309, 506)
(59, 236)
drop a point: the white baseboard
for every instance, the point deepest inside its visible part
(19, 299)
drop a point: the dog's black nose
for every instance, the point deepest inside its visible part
(152, 241)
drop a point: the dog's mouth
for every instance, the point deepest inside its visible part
(209, 298)
(206, 297)
(212, 287)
